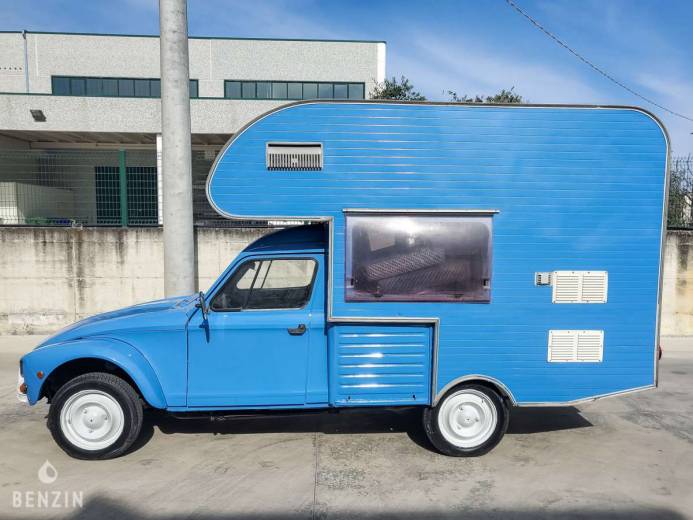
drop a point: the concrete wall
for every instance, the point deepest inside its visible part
(677, 293)
(54, 276)
(123, 115)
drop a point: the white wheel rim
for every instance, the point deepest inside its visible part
(92, 420)
(467, 418)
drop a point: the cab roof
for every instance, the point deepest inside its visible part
(299, 238)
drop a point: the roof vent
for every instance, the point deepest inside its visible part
(294, 156)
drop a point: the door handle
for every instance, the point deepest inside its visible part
(298, 331)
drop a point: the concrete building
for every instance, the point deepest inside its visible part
(80, 115)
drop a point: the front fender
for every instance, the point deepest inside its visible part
(128, 358)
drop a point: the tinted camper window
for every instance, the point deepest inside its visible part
(418, 258)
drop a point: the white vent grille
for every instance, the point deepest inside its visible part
(576, 346)
(294, 156)
(580, 286)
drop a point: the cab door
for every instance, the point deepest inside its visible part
(253, 348)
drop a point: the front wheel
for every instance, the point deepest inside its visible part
(468, 421)
(95, 416)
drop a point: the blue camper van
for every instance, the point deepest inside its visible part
(463, 259)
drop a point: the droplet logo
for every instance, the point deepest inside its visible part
(47, 473)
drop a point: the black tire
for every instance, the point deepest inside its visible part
(116, 388)
(432, 427)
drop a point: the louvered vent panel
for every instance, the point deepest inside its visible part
(580, 286)
(571, 346)
(590, 345)
(594, 286)
(294, 156)
(562, 345)
(566, 287)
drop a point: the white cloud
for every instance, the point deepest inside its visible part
(437, 66)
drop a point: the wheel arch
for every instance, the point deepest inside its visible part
(62, 362)
(487, 381)
(80, 366)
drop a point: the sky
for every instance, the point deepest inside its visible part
(471, 47)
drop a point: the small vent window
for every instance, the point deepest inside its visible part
(576, 346)
(294, 156)
(580, 286)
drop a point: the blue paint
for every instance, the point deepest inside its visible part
(372, 365)
(576, 189)
(247, 358)
(116, 352)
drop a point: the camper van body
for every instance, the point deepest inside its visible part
(484, 256)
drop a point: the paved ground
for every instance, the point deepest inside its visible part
(628, 457)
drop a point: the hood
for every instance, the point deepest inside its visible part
(169, 313)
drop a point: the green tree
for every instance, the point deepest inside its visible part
(401, 90)
(504, 96)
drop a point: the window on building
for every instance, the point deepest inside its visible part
(61, 86)
(235, 89)
(126, 88)
(194, 92)
(78, 86)
(142, 88)
(268, 284)
(418, 258)
(279, 90)
(325, 90)
(248, 90)
(94, 86)
(310, 91)
(356, 90)
(341, 91)
(232, 89)
(263, 90)
(295, 91)
(111, 87)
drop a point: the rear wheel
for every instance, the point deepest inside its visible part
(468, 421)
(95, 416)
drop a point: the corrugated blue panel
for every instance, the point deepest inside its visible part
(577, 189)
(379, 365)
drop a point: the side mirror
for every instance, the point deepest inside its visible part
(202, 305)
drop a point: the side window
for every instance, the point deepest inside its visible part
(409, 258)
(280, 283)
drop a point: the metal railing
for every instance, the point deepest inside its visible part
(121, 188)
(681, 193)
(94, 188)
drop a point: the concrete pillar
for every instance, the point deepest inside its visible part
(159, 181)
(179, 252)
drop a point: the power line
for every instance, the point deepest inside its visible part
(589, 63)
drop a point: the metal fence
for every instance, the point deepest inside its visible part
(121, 188)
(681, 193)
(94, 188)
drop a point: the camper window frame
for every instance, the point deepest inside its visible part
(350, 295)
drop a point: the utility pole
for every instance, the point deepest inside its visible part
(179, 250)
